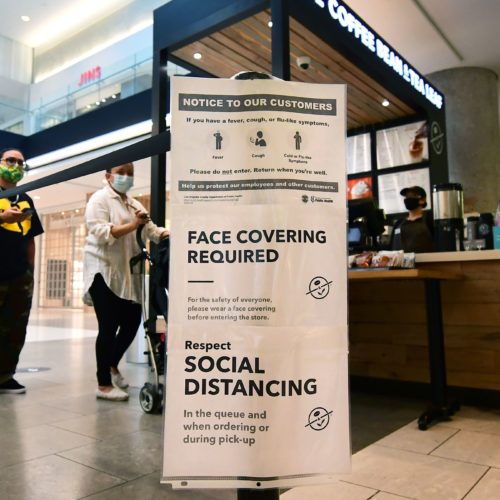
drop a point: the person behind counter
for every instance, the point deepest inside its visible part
(413, 233)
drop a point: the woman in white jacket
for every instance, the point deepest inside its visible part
(112, 218)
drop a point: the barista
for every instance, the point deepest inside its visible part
(413, 233)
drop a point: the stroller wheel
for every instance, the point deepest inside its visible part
(150, 399)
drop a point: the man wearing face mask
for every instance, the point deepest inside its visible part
(413, 233)
(19, 224)
(112, 218)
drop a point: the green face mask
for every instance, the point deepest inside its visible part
(11, 174)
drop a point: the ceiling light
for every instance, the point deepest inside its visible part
(97, 103)
(113, 96)
(25, 18)
(197, 55)
(270, 24)
(103, 100)
(385, 103)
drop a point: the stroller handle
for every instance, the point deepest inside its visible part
(143, 254)
(138, 237)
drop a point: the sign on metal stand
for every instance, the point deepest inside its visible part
(256, 382)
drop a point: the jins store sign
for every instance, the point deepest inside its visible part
(90, 76)
(366, 37)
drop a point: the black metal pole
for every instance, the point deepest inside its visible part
(281, 69)
(271, 494)
(160, 95)
(437, 360)
(280, 43)
(159, 111)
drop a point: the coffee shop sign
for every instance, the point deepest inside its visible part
(361, 32)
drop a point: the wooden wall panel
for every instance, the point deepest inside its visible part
(388, 331)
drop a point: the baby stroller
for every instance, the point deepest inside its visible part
(151, 394)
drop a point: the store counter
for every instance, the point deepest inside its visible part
(389, 315)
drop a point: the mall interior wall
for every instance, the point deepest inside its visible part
(104, 32)
(473, 133)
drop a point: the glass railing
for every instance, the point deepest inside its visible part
(119, 85)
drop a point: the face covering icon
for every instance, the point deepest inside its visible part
(11, 174)
(122, 183)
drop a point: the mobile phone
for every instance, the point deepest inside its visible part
(28, 211)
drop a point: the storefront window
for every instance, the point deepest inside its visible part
(61, 263)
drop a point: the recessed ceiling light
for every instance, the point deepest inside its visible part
(103, 99)
(270, 24)
(385, 103)
(197, 55)
(97, 103)
(113, 96)
(25, 18)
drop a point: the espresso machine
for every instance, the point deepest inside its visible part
(448, 211)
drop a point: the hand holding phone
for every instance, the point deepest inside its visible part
(27, 212)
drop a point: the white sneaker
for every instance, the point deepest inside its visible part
(118, 381)
(114, 394)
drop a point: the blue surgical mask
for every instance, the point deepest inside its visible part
(122, 183)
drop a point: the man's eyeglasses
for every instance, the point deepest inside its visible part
(12, 162)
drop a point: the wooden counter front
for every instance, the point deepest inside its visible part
(387, 318)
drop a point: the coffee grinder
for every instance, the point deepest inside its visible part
(448, 211)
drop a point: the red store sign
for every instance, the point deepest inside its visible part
(90, 76)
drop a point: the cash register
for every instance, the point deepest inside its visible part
(366, 224)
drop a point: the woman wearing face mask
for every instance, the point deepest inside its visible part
(413, 233)
(112, 218)
(19, 224)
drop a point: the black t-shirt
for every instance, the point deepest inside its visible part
(14, 237)
(413, 235)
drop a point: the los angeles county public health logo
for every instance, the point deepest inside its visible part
(319, 418)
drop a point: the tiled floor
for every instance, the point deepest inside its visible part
(58, 442)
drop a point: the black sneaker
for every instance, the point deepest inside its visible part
(12, 386)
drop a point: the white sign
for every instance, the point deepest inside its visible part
(257, 338)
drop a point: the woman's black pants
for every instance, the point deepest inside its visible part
(118, 321)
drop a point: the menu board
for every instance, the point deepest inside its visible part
(390, 186)
(402, 145)
(358, 154)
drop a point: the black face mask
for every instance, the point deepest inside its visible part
(411, 203)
